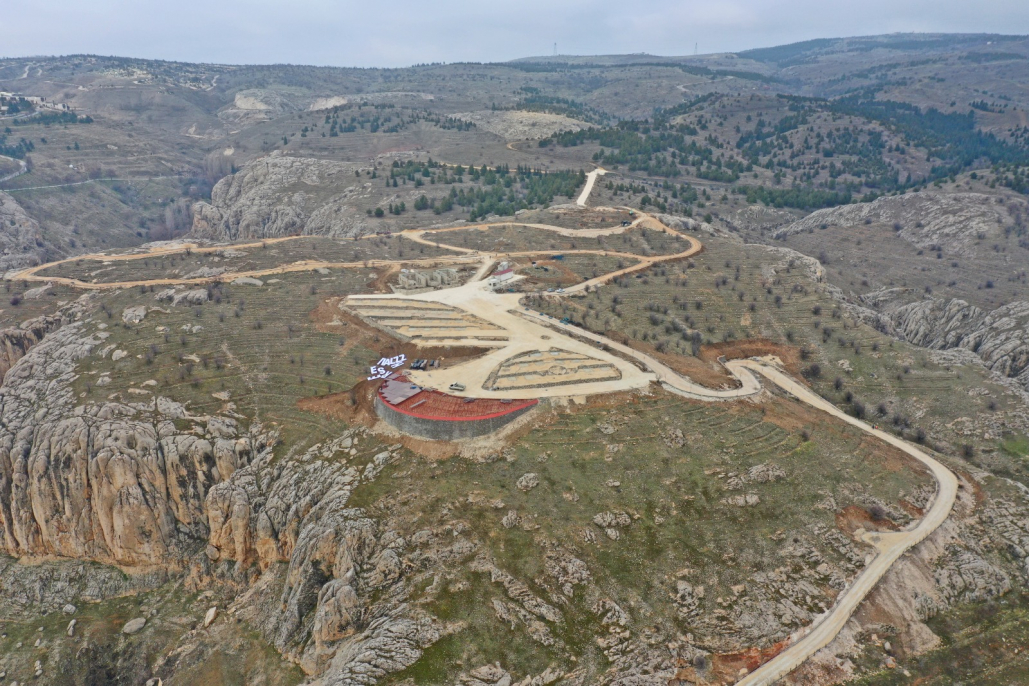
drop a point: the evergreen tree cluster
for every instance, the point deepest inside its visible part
(16, 150)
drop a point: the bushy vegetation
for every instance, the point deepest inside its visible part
(640, 147)
(16, 150)
(801, 197)
(534, 101)
(491, 191)
(49, 118)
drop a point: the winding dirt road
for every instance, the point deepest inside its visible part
(890, 545)
(416, 235)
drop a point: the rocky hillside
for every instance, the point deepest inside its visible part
(936, 269)
(21, 240)
(951, 221)
(283, 196)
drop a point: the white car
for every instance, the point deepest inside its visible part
(457, 386)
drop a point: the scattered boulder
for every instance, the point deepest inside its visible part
(133, 315)
(528, 481)
(510, 520)
(37, 292)
(195, 297)
(607, 520)
(205, 273)
(748, 500)
(134, 626)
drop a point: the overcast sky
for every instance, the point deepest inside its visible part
(405, 32)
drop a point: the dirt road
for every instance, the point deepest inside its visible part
(891, 545)
(22, 168)
(591, 179)
(416, 235)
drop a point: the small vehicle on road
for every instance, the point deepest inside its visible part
(457, 386)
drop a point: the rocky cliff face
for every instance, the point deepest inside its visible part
(110, 482)
(15, 342)
(319, 563)
(282, 196)
(21, 240)
(1000, 338)
(149, 486)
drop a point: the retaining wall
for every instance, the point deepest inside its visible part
(444, 429)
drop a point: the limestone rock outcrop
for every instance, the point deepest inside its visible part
(21, 240)
(111, 482)
(262, 200)
(15, 342)
(949, 220)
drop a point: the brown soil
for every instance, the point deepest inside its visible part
(911, 509)
(754, 347)
(892, 459)
(706, 373)
(793, 416)
(853, 517)
(356, 408)
(383, 275)
(978, 495)
(725, 667)
(706, 369)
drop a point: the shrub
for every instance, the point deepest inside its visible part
(812, 371)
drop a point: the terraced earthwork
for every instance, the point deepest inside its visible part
(553, 367)
(426, 323)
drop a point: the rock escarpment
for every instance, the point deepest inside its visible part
(16, 341)
(281, 196)
(320, 562)
(21, 240)
(1000, 338)
(958, 225)
(110, 482)
(149, 486)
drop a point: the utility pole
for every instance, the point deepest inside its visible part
(555, 49)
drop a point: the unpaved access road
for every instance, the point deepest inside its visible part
(22, 169)
(890, 545)
(417, 235)
(591, 179)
